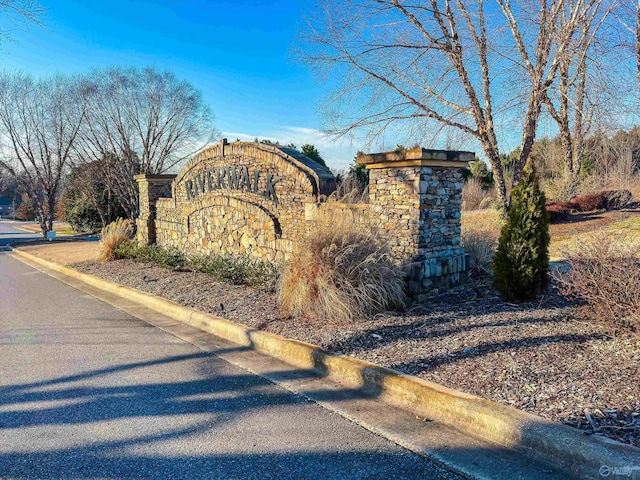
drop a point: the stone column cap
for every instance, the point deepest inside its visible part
(144, 176)
(417, 157)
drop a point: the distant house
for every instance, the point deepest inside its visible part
(6, 206)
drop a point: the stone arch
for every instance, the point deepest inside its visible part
(321, 180)
(224, 223)
(230, 197)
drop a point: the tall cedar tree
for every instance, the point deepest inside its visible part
(521, 263)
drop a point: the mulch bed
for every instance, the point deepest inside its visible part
(542, 357)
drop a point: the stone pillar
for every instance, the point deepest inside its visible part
(150, 188)
(416, 195)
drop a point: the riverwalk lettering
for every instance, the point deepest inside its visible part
(232, 178)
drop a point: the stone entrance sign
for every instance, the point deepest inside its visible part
(260, 200)
(242, 197)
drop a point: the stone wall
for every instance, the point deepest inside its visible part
(150, 188)
(260, 200)
(243, 197)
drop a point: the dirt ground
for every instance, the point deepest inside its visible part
(541, 357)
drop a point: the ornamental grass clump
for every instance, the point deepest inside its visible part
(480, 245)
(340, 271)
(521, 263)
(114, 235)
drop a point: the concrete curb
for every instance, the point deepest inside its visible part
(570, 450)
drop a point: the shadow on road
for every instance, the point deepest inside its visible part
(180, 412)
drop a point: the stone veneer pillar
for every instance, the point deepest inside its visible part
(151, 188)
(416, 196)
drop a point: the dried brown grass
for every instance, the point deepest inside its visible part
(112, 236)
(340, 272)
(351, 191)
(480, 244)
(475, 196)
(604, 272)
(620, 175)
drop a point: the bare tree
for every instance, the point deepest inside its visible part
(578, 92)
(40, 120)
(628, 15)
(85, 184)
(141, 121)
(19, 13)
(452, 65)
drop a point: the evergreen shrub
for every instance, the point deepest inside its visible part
(521, 263)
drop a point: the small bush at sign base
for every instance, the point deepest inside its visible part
(114, 235)
(236, 269)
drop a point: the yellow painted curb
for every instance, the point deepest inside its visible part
(569, 449)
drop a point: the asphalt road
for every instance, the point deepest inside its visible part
(9, 234)
(87, 391)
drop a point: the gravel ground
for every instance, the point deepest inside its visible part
(540, 357)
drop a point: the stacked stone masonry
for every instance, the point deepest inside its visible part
(416, 195)
(260, 200)
(150, 188)
(244, 198)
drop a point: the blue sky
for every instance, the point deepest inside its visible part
(238, 53)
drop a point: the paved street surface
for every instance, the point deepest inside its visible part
(9, 234)
(87, 391)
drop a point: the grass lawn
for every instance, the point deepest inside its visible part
(65, 253)
(61, 228)
(567, 235)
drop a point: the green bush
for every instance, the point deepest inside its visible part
(165, 257)
(479, 170)
(312, 152)
(169, 257)
(127, 250)
(82, 215)
(236, 269)
(521, 263)
(360, 173)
